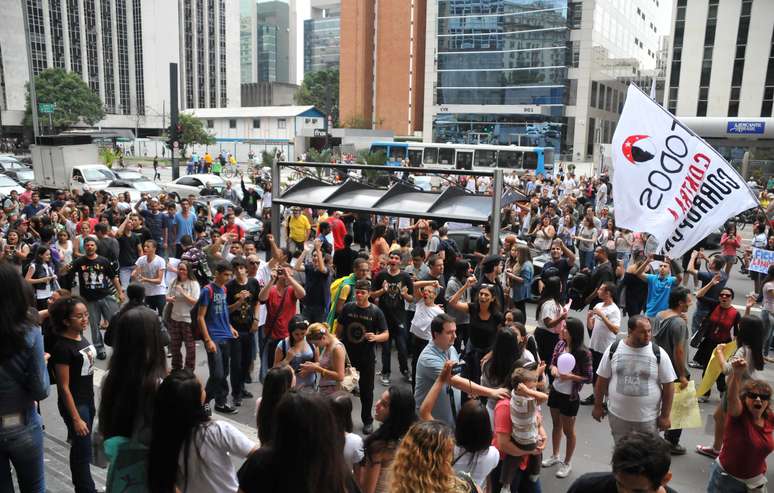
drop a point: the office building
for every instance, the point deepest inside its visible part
(266, 45)
(122, 50)
(381, 81)
(535, 73)
(268, 94)
(322, 36)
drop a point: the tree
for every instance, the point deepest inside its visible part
(189, 131)
(321, 90)
(73, 99)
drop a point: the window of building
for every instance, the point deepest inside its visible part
(575, 14)
(256, 123)
(593, 94)
(232, 123)
(768, 90)
(139, 78)
(107, 57)
(706, 65)
(282, 123)
(741, 48)
(210, 124)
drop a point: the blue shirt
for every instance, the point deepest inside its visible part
(32, 209)
(658, 293)
(429, 366)
(184, 225)
(217, 312)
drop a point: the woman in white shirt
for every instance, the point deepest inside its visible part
(188, 451)
(425, 312)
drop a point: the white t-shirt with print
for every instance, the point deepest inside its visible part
(550, 309)
(151, 271)
(420, 324)
(601, 336)
(634, 391)
(211, 468)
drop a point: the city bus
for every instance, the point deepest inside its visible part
(478, 157)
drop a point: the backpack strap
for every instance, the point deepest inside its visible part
(653, 345)
(613, 348)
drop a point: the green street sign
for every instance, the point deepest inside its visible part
(46, 107)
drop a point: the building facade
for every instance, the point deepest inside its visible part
(322, 36)
(266, 48)
(381, 67)
(122, 50)
(268, 94)
(534, 72)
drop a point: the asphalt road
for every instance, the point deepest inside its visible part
(594, 444)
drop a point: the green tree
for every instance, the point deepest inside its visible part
(321, 90)
(73, 99)
(189, 131)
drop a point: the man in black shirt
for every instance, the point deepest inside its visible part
(641, 463)
(317, 283)
(603, 272)
(343, 258)
(394, 288)
(95, 273)
(242, 298)
(363, 326)
(560, 265)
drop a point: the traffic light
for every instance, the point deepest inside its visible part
(175, 132)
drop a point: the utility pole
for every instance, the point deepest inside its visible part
(33, 96)
(173, 114)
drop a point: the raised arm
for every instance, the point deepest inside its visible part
(454, 302)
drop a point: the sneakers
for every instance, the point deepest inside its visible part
(703, 399)
(237, 402)
(406, 375)
(247, 395)
(551, 461)
(707, 451)
(564, 470)
(226, 409)
(368, 428)
(385, 379)
(676, 449)
(588, 401)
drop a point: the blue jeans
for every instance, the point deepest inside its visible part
(80, 447)
(218, 364)
(767, 330)
(22, 446)
(586, 259)
(625, 256)
(267, 360)
(399, 335)
(720, 482)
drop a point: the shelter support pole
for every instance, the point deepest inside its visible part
(497, 197)
(276, 229)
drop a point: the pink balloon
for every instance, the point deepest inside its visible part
(566, 363)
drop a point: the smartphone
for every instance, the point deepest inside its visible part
(458, 367)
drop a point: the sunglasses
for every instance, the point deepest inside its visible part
(754, 395)
(724, 295)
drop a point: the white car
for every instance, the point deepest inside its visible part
(135, 188)
(7, 185)
(193, 184)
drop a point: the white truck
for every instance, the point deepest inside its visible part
(69, 167)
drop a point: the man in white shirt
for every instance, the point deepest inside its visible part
(638, 379)
(603, 323)
(149, 270)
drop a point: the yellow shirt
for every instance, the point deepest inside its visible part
(299, 228)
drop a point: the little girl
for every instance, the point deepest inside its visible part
(525, 401)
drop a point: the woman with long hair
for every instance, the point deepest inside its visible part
(294, 351)
(567, 230)
(277, 383)
(23, 381)
(543, 234)
(331, 363)
(519, 274)
(587, 238)
(550, 315)
(379, 246)
(341, 403)
(188, 451)
(136, 367)
(749, 342)
(423, 462)
(64, 246)
(182, 295)
(396, 410)
(498, 364)
(309, 457)
(41, 275)
(15, 251)
(730, 241)
(563, 400)
(485, 318)
(455, 282)
(73, 359)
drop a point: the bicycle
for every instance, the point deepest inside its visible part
(739, 259)
(230, 170)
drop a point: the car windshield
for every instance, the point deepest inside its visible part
(11, 163)
(27, 173)
(7, 182)
(97, 174)
(130, 175)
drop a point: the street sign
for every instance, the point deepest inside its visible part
(46, 107)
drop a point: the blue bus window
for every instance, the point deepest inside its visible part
(415, 157)
(397, 152)
(530, 160)
(485, 159)
(509, 159)
(446, 156)
(431, 155)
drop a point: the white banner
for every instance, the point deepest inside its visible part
(667, 181)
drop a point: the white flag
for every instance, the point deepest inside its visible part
(667, 181)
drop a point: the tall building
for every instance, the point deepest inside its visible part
(534, 72)
(122, 50)
(266, 45)
(381, 64)
(322, 36)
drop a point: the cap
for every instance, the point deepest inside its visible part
(491, 259)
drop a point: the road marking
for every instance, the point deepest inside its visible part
(249, 431)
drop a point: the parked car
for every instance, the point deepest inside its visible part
(130, 175)
(10, 166)
(253, 227)
(135, 188)
(8, 184)
(193, 184)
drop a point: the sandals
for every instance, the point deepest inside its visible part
(707, 451)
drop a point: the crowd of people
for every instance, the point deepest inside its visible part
(87, 278)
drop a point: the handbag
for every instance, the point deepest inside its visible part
(351, 376)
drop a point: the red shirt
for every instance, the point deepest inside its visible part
(92, 222)
(233, 228)
(745, 445)
(278, 317)
(339, 231)
(502, 424)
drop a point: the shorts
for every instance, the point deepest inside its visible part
(729, 259)
(562, 401)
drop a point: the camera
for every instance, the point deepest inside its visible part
(458, 367)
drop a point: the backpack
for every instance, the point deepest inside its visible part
(653, 345)
(336, 287)
(196, 329)
(128, 465)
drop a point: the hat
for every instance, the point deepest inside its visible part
(491, 259)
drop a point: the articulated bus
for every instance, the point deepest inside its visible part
(479, 157)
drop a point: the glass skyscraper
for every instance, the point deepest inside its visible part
(321, 43)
